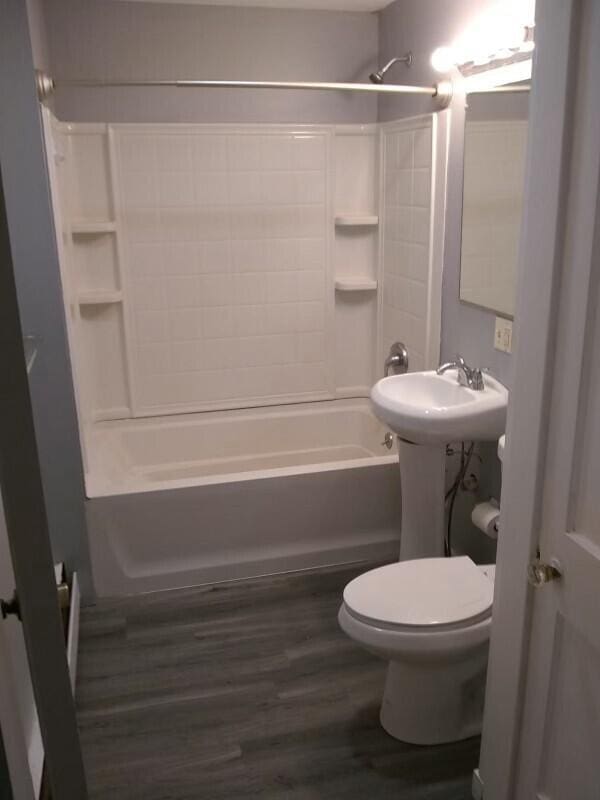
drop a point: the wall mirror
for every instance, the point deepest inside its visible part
(494, 167)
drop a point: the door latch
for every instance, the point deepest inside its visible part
(539, 573)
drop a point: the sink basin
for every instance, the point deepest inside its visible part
(427, 408)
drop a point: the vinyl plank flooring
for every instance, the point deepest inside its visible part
(245, 690)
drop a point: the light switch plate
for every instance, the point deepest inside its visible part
(503, 335)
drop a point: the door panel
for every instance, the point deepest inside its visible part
(20, 474)
(569, 767)
(23, 498)
(37, 278)
(558, 753)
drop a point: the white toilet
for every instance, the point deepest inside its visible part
(431, 619)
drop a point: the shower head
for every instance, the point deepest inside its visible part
(377, 77)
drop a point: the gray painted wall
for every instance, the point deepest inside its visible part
(35, 260)
(103, 39)
(95, 38)
(422, 26)
(100, 39)
(419, 26)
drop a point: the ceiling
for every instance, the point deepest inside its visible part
(323, 5)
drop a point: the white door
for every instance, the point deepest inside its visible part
(27, 241)
(18, 713)
(559, 743)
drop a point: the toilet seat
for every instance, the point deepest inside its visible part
(424, 595)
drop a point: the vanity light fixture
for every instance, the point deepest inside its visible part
(502, 32)
(443, 59)
(499, 76)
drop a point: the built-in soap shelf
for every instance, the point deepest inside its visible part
(356, 220)
(352, 284)
(88, 212)
(100, 298)
(93, 227)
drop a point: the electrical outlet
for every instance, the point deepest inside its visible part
(503, 335)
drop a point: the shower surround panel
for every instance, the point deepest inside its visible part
(226, 268)
(200, 262)
(198, 269)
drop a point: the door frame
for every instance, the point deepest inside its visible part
(538, 288)
(37, 275)
(27, 525)
(32, 461)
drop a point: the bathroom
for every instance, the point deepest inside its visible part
(265, 326)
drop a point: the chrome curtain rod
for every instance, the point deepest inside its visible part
(442, 92)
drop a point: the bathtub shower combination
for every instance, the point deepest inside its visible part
(231, 292)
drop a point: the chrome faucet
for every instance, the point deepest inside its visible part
(467, 376)
(397, 359)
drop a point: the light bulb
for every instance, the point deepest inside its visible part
(443, 59)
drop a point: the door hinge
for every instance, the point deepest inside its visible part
(11, 606)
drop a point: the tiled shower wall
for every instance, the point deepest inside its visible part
(226, 239)
(201, 269)
(406, 240)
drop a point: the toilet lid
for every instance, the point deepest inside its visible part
(424, 592)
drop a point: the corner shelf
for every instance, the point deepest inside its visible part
(351, 284)
(92, 227)
(99, 298)
(356, 220)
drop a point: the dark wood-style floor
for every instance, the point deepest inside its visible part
(245, 690)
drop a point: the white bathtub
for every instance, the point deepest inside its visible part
(198, 498)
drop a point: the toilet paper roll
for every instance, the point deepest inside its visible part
(485, 516)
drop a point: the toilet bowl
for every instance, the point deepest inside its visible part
(431, 619)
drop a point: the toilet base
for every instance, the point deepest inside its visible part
(431, 704)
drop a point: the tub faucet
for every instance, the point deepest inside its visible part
(397, 360)
(467, 376)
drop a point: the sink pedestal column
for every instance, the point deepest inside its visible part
(422, 477)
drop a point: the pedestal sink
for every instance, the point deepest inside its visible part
(427, 411)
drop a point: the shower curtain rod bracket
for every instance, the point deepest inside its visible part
(441, 93)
